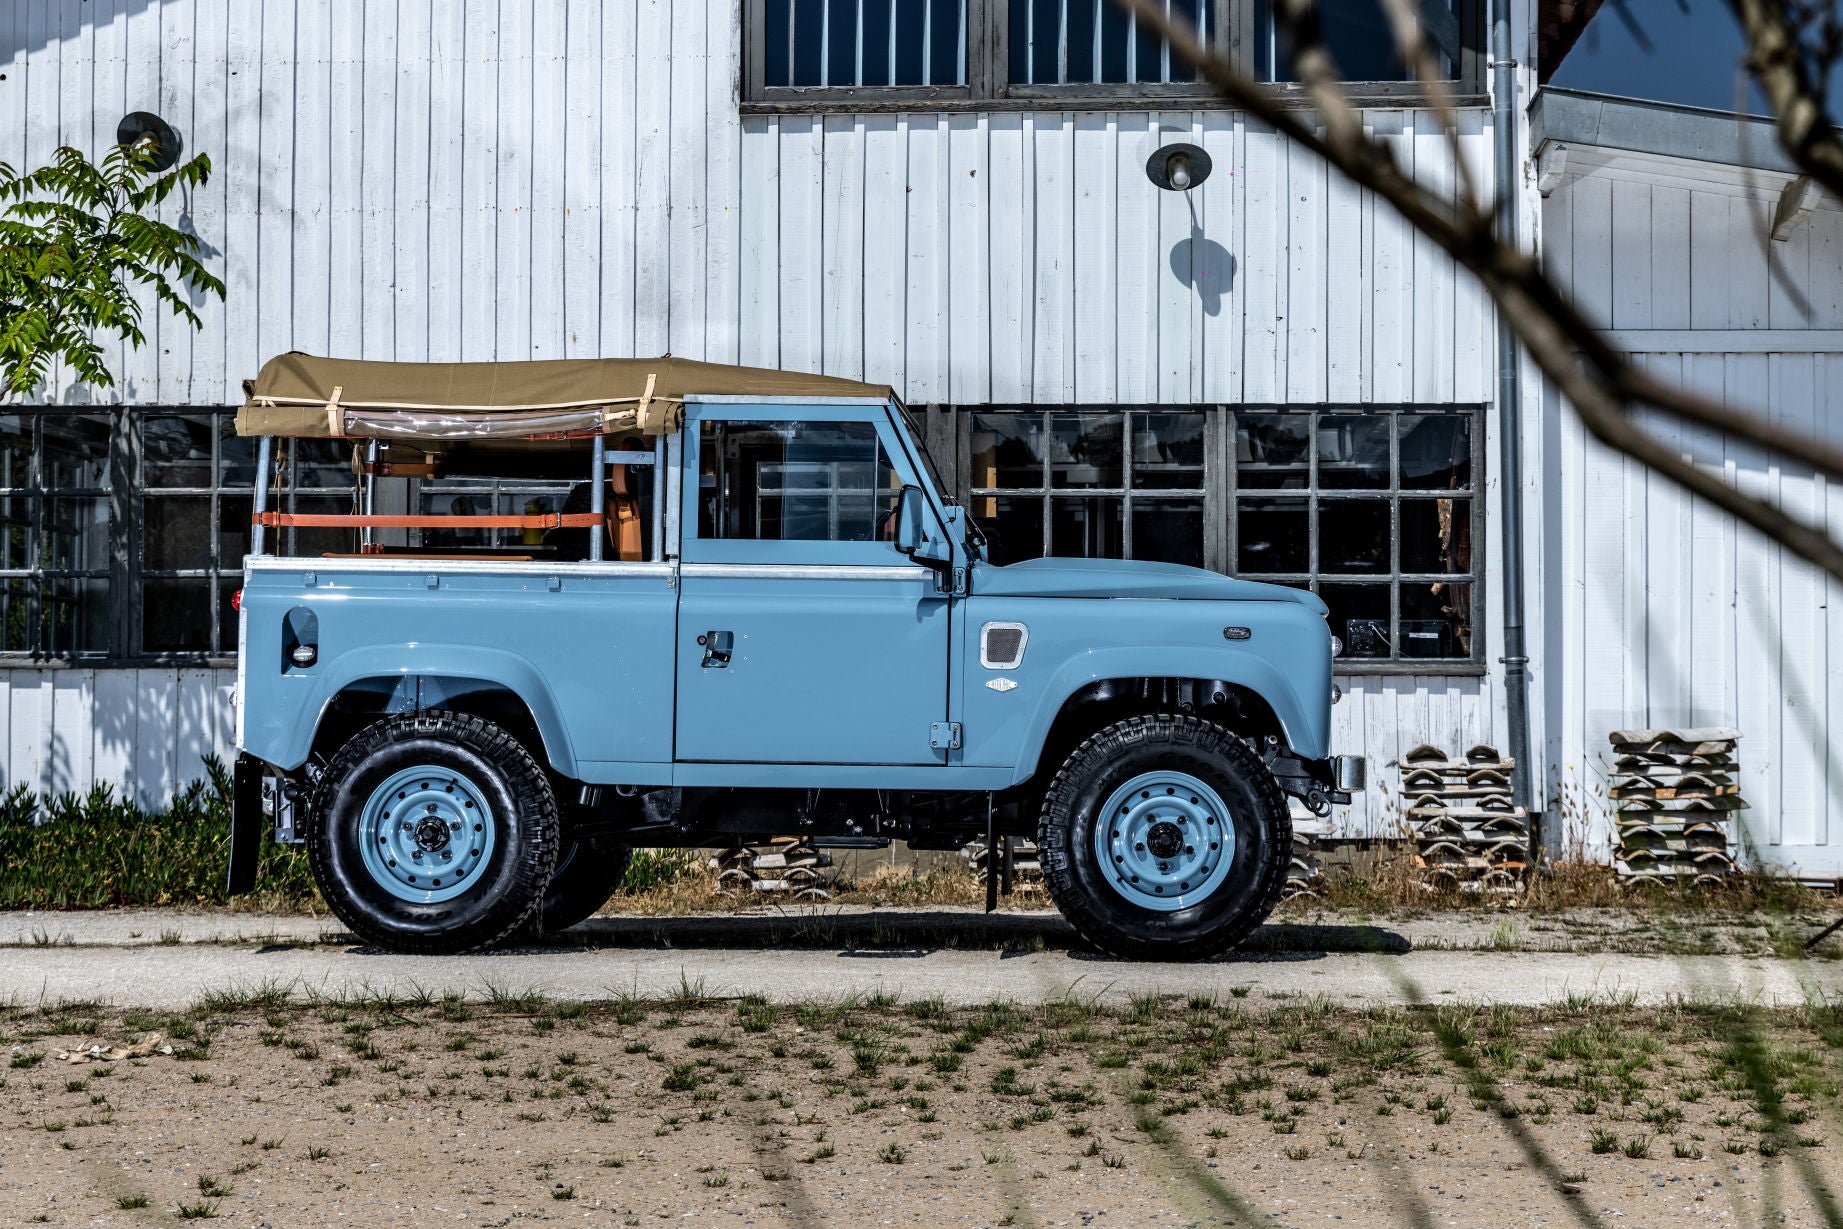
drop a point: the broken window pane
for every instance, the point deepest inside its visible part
(1436, 535)
(1436, 620)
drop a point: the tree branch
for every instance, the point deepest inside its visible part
(1776, 58)
(1603, 384)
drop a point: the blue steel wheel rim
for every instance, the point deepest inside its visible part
(426, 834)
(1164, 841)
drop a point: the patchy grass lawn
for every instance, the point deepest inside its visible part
(879, 1111)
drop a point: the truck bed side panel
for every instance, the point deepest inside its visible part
(588, 648)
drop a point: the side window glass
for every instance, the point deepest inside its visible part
(795, 482)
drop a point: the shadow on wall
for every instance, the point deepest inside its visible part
(153, 727)
(1204, 265)
(33, 28)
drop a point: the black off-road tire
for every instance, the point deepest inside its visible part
(512, 881)
(588, 872)
(1115, 755)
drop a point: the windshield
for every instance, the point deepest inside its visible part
(918, 439)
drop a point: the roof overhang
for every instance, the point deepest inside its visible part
(1668, 130)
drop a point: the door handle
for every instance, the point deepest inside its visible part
(717, 646)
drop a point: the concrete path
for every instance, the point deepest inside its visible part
(156, 959)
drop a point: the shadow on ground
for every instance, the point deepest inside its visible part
(899, 935)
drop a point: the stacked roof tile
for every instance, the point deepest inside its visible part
(1674, 796)
(1468, 834)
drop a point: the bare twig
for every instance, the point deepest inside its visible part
(1776, 58)
(1405, 23)
(1603, 385)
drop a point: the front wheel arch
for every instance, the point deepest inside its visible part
(1234, 706)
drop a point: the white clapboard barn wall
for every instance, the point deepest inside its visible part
(443, 181)
(143, 731)
(1663, 611)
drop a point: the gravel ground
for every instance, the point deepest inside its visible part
(1180, 1112)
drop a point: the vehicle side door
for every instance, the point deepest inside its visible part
(805, 635)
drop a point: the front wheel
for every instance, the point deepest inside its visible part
(1164, 838)
(436, 832)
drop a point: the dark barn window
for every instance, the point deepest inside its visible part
(1374, 508)
(55, 486)
(850, 54)
(125, 530)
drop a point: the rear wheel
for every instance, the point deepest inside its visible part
(436, 832)
(588, 873)
(1164, 838)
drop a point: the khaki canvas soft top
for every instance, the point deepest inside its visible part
(302, 395)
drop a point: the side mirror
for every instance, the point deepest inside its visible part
(912, 537)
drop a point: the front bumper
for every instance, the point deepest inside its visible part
(1320, 784)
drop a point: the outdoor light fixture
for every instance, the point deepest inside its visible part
(1178, 168)
(139, 126)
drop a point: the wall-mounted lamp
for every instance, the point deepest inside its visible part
(139, 127)
(1178, 168)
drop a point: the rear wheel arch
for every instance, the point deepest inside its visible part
(365, 701)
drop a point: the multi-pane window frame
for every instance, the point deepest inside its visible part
(950, 433)
(126, 493)
(31, 489)
(1130, 493)
(988, 86)
(230, 497)
(1316, 575)
(227, 504)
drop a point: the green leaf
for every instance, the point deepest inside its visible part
(78, 251)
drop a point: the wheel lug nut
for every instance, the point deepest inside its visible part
(455, 826)
(1190, 849)
(416, 854)
(430, 808)
(1139, 848)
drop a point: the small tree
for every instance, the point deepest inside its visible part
(76, 241)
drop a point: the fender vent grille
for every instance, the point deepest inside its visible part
(1001, 645)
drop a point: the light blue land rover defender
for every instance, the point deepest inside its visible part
(583, 606)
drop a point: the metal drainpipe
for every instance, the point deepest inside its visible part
(1510, 436)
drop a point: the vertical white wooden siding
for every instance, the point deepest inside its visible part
(502, 180)
(145, 731)
(1665, 611)
(496, 179)
(1036, 263)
